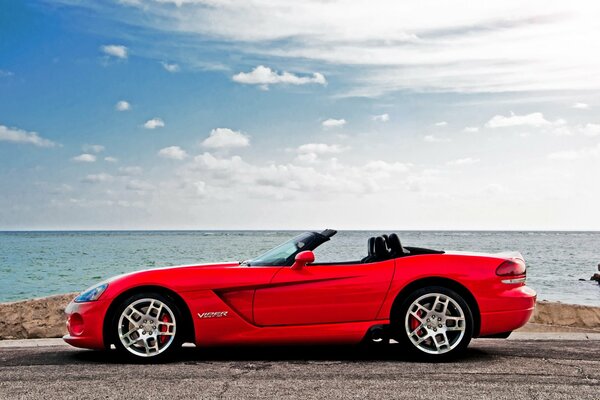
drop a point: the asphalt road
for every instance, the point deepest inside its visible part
(492, 369)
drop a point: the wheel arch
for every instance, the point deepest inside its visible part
(188, 322)
(444, 282)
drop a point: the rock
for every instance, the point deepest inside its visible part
(551, 313)
(36, 318)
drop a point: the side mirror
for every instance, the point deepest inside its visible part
(303, 258)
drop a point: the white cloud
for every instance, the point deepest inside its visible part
(561, 130)
(93, 148)
(289, 180)
(565, 155)
(570, 155)
(435, 139)
(139, 186)
(85, 157)
(223, 138)
(321, 148)
(98, 178)
(535, 119)
(310, 152)
(110, 159)
(581, 106)
(4, 73)
(471, 129)
(456, 46)
(16, 135)
(130, 171)
(381, 118)
(333, 123)
(130, 2)
(154, 123)
(114, 50)
(591, 129)
(441, 123)
(170, 67)
(173, 153)
(494, 189)
(122, 105)
(265, 76)
(463, 161)
(308, 158)
(386, 167)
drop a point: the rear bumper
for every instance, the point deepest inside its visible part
(515, 307)
(84, 324)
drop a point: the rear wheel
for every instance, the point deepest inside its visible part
(434, 322)
(145, 327)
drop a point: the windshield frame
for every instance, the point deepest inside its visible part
(303, 242)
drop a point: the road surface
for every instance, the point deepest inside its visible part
(491, 369)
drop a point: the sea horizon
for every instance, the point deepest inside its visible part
(301, 230)
(36, 263)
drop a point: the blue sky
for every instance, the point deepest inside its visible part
(188, 114)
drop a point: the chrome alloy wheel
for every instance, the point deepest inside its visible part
(146, 327)
(435, 323)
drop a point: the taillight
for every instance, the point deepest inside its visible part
(512, 268)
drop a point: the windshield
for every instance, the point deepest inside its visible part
(284, 254)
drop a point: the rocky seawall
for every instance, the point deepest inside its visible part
(566, 315)
(35, 318)
(45, 318)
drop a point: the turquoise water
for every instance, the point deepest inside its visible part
(34, 264)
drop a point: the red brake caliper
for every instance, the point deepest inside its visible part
(164, 328)
(414, 323)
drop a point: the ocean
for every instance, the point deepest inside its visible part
(35, 264)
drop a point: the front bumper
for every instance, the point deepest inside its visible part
(514, 308)
(85, 323)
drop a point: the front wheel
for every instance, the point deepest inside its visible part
(145, 326)
(435, 322)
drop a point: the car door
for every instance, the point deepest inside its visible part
(317, 294)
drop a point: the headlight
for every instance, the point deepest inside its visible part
(91, 294)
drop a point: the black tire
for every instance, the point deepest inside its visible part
(440, 334)
(156, 329)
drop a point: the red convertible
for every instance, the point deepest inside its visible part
(431, 302)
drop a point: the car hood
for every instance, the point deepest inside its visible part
(221, 265)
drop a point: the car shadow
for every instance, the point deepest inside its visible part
(297, 354)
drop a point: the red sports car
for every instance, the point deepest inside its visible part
(432, 302)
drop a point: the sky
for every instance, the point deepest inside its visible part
(267, 114)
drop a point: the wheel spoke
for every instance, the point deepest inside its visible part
(454, 329)
(154, 306)
(420, 307)
(169, 328)
(131, 312)
(422, 338)
(417, 329)
(129, 341)
(435, 342)
(444, 343)
(152, 347)
(442, 302)
(417, 317)
(146, 346)
(459, 324)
